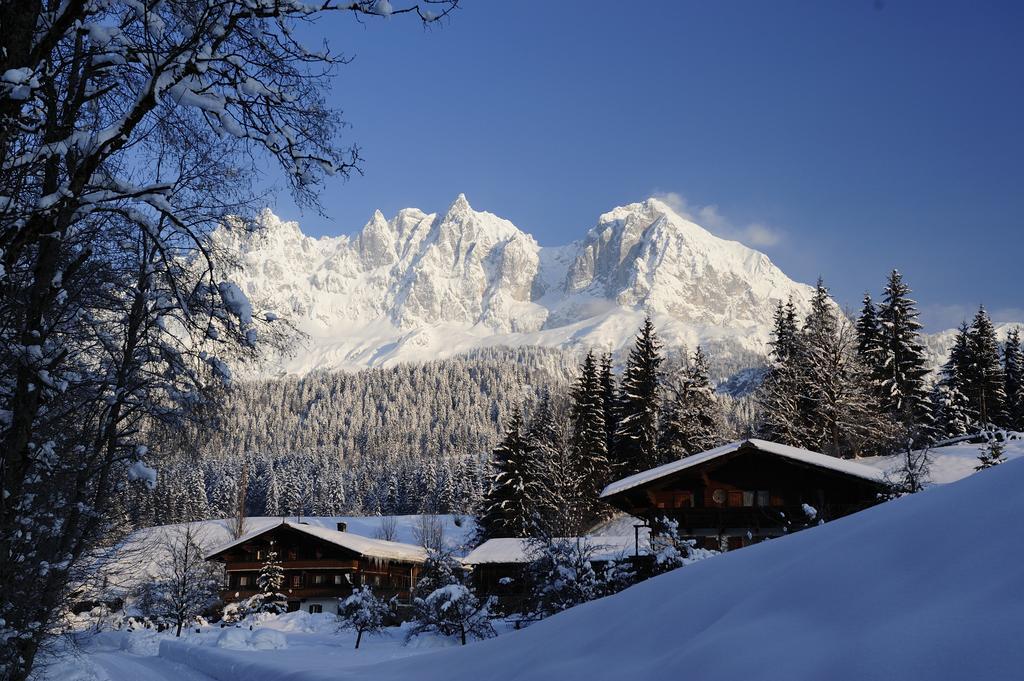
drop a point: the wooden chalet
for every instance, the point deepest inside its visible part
(746, 491)
(320, 565)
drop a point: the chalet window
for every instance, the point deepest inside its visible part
(259, 554)
(376, 580)
(292, 554)
(735, 498)
(316, 608)
(339, 579)
(296, 581)
(243, 580)
(670, 499)
(318, 579)
(748, 499)
(763, 498)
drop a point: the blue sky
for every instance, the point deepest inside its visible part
(842, 138)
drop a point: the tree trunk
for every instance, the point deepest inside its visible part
(179, 629)
(359, 637)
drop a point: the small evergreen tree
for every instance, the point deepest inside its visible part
(992, 454)
(637, 436)
(269, 582)
(954, 413)
(869, 335)
(362, 612)
(509, 506)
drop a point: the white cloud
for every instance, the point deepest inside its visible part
(755, 234)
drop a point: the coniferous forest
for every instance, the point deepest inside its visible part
(527, 438)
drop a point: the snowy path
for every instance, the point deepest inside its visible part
(122, 666)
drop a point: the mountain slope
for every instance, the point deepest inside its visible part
(424, 286)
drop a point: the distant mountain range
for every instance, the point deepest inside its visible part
(426, 286)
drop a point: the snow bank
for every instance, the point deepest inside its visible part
(921, 587)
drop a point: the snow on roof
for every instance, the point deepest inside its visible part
(519, 550)
(795, 453)
(373, 548)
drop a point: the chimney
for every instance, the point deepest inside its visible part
(342, 526)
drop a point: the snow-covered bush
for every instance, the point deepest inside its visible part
(561, 576)
(440, 569)
(452, 610)
(670, 551)
(363, 613)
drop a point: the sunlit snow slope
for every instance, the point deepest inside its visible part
(426, 286)
(926, 587)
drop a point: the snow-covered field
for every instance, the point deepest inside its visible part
(952, 462)
(915, 588)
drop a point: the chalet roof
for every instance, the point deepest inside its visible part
(518, 550)
(802, 455)
(364, 546)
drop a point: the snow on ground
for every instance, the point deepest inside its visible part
(921, 587)
(952, 462)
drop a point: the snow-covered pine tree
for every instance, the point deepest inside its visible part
(840, 407)
(984, 382)
(609, 398)
(587, 440)
(692, 419)
(269, 582)
(954, 416)
(780, 397)
(1013, 369)
(992, 454)
(363, 612)
(868, 331)
(636, 438)
(509, 506)
(902, 379)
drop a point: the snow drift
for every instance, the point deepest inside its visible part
(922, 587)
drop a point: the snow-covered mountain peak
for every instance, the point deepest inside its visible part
(428, 285)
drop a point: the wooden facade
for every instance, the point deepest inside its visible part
(320, 566)
(747, 491)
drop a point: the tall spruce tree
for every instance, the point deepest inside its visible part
(611, 407)
(869, 337)
(636, 438)
(509, 506)
(903, 369)
(984, 382)
(780, 397)
(1013, 369)
(588, 441)
(839, 407)
(953, 413)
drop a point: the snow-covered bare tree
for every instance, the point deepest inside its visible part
(188, 583)
(127, 130)
(362, 612)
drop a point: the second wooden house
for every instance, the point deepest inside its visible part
(320, 565)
